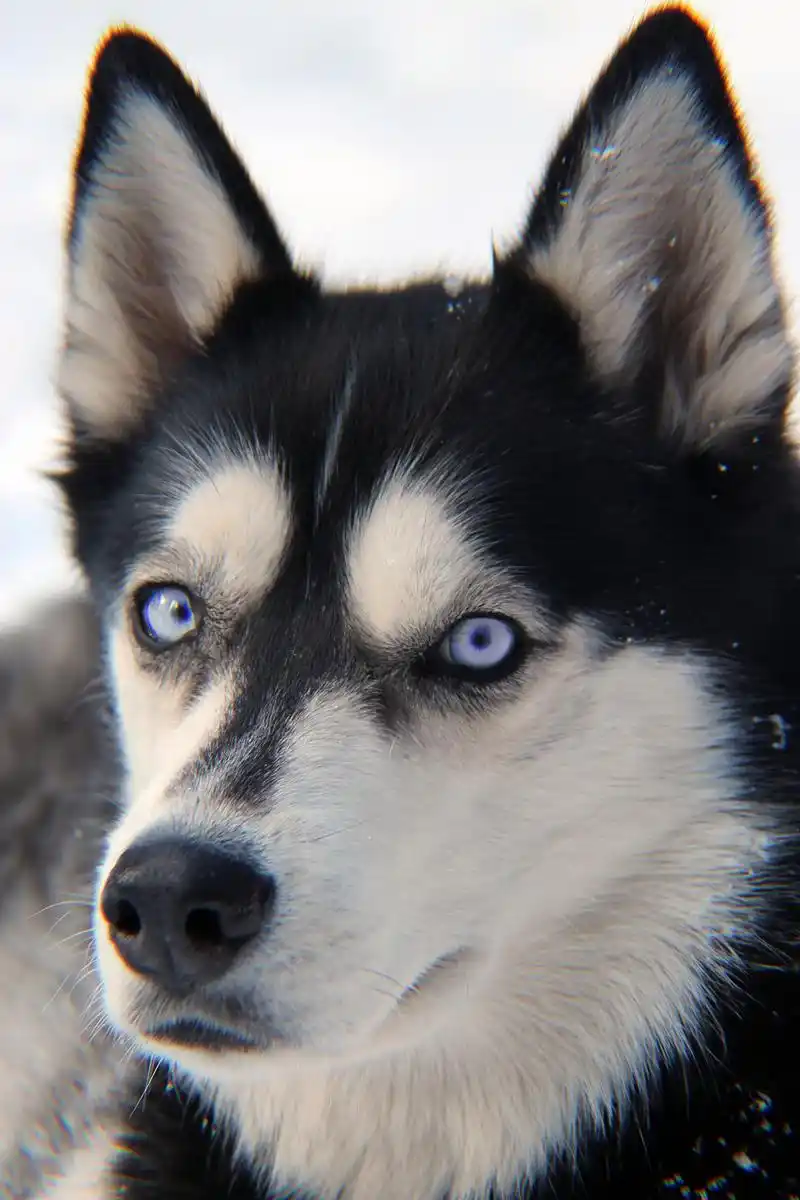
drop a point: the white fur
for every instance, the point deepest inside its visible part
(415, 564)
(163, 732)
(87, 1174)
(231, 523)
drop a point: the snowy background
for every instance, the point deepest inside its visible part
(389, 137)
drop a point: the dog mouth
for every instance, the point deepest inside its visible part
(199, 1034)
(196, 1032)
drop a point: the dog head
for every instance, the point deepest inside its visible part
(420, 607)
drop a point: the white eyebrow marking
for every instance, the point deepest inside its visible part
(240, 517)
(408, 559)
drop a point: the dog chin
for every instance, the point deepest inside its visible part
(206, 1042)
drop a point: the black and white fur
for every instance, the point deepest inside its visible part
(532, 933)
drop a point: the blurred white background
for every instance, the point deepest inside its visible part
(390, 138)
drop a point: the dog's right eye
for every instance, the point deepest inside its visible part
(165, 615)
(480, 648)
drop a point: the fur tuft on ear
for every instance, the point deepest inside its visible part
(165, 225)
(651, 229)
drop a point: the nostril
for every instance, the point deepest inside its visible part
(123, 918)
(127, 922)
(231, 923)
(204, 929)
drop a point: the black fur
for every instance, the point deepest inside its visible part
(681, 548)
(175, 1148)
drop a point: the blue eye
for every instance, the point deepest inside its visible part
(166, 616)
(479, 648)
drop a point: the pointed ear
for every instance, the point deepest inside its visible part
(165, 225)
(651, 229)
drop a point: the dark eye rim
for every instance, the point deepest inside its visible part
(432, 665)
(145, 639)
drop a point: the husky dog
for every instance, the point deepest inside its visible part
(454, 649)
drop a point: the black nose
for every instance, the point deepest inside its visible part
(180, 912)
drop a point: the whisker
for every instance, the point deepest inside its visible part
(57, 992)
(151, 1074)
(321, 837)
(72, 936)
(94, 1015)
(81, 902)
(58, 921)
(383, 975)
(84, 973)
(91, 1031)
(385, 992)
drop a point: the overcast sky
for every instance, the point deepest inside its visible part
(389, 138)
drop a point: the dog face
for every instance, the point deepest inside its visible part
(419, 607)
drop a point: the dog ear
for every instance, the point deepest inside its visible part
(165, 225)
(651, 229)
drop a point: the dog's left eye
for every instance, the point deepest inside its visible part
(480, 648)
(165, 616)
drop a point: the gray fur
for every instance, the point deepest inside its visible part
(57, 765)
(55, 752)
